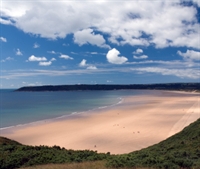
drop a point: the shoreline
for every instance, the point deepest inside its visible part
(97, 109)
(5, 130)
(118, 129)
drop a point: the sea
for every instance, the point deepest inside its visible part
(20, 108)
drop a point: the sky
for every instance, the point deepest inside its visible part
(57, 42)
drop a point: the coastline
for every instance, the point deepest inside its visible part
(137, 122)
(9, 129)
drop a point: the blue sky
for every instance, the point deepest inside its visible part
(99, 42)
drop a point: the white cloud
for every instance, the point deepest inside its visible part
(18, 52)
(159, 23)
(89, 67)
(140, 57)
(53, 59)
(182, 73)
(94, 53)
(3, 39)
(88, 36)
(92, 67)
(197, 2)
(42, 60)
(190, 54)
(5, 22)
(7, 59)
(35, 45)
(45, 63)
(74, 53)
(52, 52)
(83, 63)
(138, 51)
(33, 58)
(65, 57)
(113, 57)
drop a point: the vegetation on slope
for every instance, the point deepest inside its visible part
(5, 141)
(181, 151)
(16, 155)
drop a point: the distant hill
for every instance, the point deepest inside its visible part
(165, 86)
(181, 151)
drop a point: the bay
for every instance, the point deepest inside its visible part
(17, 108)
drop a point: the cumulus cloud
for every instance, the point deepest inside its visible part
(197, 2)
(138, 51)
(170, 23)
(33, 58)
(45, 63)
(36, 45)
(6, 22)
(65, 57)
(53, 59)
(18, 52)
(140, 57)
(190, 54)
(88, 36)
(3, 39)
(83, 63)
(114, 58)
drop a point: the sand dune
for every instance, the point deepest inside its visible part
(138, 122)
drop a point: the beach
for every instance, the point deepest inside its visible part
(137, 122)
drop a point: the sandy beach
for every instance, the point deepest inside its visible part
(138, 122)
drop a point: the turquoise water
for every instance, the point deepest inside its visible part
(18, 108)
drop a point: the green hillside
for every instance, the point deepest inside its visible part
(181, 151)
(16, 155)
(5, 141)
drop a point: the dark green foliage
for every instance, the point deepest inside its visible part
(181, 151)
(5, 141)
(16, 155)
